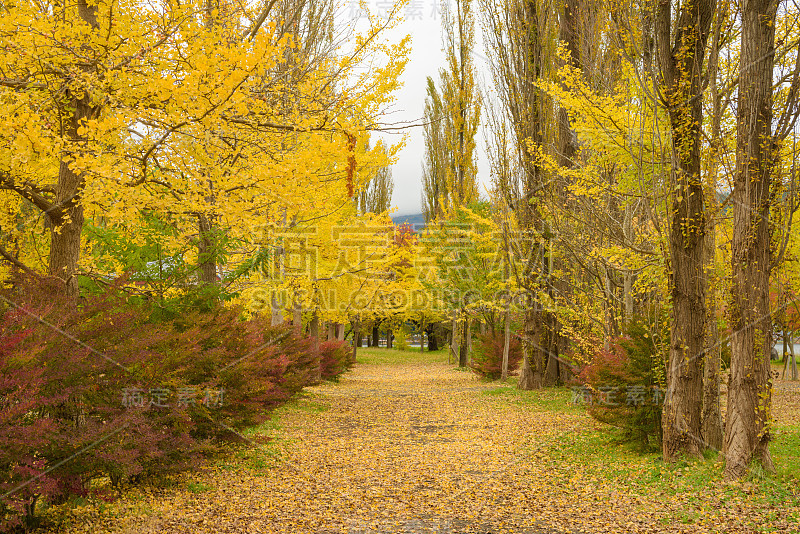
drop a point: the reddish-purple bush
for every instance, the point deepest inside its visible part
(97, 389)
(624, 386)
(487, 358)
(335, 358)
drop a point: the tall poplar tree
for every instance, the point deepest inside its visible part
(680, 49)
(452, 113)
(749, 395)
(521, 37)
(435, 194)
(452, 116)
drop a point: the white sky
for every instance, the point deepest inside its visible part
(422, 21)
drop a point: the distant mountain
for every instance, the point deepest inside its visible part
(416, 220)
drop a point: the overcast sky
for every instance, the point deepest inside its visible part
(423, 22)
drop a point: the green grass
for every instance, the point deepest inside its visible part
(554, 399)
(785, 450)
(304, 401)
(378, 356)
(198, 487)
(601, 453)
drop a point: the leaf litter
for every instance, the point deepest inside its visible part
(416, 447)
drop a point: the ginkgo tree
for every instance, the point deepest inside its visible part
(178, 110)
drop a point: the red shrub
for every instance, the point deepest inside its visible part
(335, 358)
(487, 358)
(624, 386)
(96, 389)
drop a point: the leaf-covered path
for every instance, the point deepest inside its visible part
(416, 446)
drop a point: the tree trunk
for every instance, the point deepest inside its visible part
(568, 34)
(65, 217)
(506, 343)
(454, 337)
(785, 343)
(206, 251)
(313, 332)
(422, 334)
(550, 339)
(276, 317)
(297, 316)
(463, 353)
(389, 343)
(279, 266)
(433, 338)
(530, 376)
(608, 322)
(794, 359)
(567, 148)
(469, 345)
(786, 357)
(340, 331)
(749, 394)
(356, 337)
(627, 275)
(681, 66)
(66, 228)
(376, 336)
(712, 415)
(534, 361)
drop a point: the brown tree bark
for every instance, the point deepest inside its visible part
(681, 81)
(711, 418)
(297, 315)
(422, 334)
(66, 214)
(278, 302)
(453, 339)
(535, 358)
(530, 375)
(552, 371)
(568, 34)
(506, 343)
(433, 330)
(749, 394)
(376, 336)
(65, 230)
(206, 250)
(463, 352)
(313, 332)
(276, 316)
(356, 337)
(331, 332)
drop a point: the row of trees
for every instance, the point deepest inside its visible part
(178, 181)
(643, 166)
(644, 169)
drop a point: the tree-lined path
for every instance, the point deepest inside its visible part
(196, 225)
(407, 443)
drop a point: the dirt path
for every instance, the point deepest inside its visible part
(417, 447)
